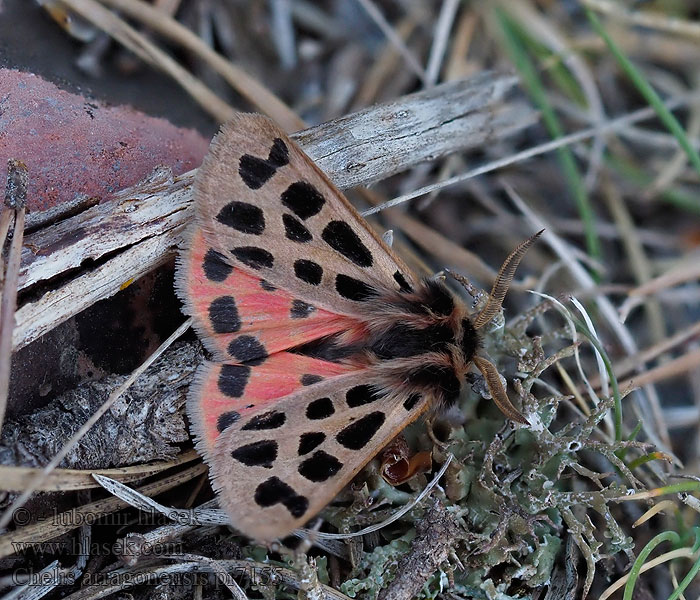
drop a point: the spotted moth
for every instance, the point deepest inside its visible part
(325, 345)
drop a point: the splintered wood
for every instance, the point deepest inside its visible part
(94, 254)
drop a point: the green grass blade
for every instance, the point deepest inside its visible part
(520, 58)
(645, 88)
(666, 536)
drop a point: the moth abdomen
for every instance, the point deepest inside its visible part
(329, 348)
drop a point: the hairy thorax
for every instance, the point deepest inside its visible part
(418, 342)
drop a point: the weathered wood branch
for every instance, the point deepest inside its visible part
(70, 265)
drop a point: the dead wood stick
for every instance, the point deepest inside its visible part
(436, 534)
(139, 228)
(15, 204)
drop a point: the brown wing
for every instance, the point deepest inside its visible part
(263, 204)
(276, 468)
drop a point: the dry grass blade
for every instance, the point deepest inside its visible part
(629, 364)
(198, 516)
(137, 43)
(15, 204)
(607, 126)
(664, 505)
(673, 368)
(448, 10)
(637, 257)
(680, 274)
(688, 271)
(71, 519)
(384, 67)
(651, 20)
(370, 7)
(16, 479)
(218, 568)
(659, 560)
(248, 87)
(545, 30)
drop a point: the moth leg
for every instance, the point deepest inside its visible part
(471, 289)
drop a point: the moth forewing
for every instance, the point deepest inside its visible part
(278, 468)
(263, 204)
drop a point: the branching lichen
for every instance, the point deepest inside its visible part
(519, 494)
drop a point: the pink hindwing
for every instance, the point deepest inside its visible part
(236, 313)
(225, 392)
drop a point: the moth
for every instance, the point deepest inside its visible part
(325, 344)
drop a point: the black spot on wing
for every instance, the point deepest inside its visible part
(310, 441)
(353, 289)
(440, 378)
(247, 349)
(308, 271)
(340, 236)
(223, 315)
(358, 434)
(242, 217)
(226, 420)
(275, 491)
(320, 409)
(300, 309)
(267, 286)
(295, 230)
(279, 153)
(255, 172)
(320, 467)
(362, 394)
(256, 258)
(215, 266)
(303, 199)
(257, 454)
(272, 419)
(233, 379)
(309, 379)
(297, 506)
(411, 401)
(403, 284)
